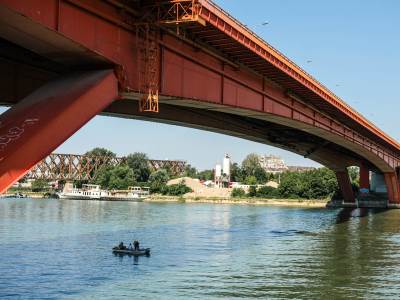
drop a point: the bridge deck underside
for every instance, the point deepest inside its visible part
(243, 124)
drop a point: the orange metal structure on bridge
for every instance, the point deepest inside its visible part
(185, 62)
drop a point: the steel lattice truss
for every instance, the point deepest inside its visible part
(82, 167)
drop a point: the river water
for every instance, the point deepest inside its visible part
(61, 249)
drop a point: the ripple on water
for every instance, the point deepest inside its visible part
(61, 249)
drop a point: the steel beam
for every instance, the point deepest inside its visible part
(39, 123)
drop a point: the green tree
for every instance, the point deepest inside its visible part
(116, 177)
(101, 156)
(138, 162)
(252, 191)
(250, 180)
(250, 163)
(177, 189)
(158, 180)
(190, 171)
(102, 177)
(260, 175)
(236, 173)
(100, 152)
(315, 184)
(238, 193)
(292, 185)
(206, 175)
(39, 185)
(267, 192)
(121, 177)
(354, 173)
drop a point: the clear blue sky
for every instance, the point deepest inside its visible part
(354, 46)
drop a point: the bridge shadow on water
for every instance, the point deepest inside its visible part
(346, 214)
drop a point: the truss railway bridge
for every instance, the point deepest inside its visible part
(58, 166)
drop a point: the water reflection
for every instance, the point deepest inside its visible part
(198, 251)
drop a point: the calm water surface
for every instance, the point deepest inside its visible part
(60, 249)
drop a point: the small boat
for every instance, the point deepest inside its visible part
(145, 251)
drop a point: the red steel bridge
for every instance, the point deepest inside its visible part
(184, 62)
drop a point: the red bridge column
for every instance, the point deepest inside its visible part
(364, 177)
(345, 186)
(38, 124)
(393, 188)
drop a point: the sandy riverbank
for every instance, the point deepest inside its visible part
(312, 203)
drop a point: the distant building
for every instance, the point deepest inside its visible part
(300, 169)
(273, 164)
(222, 175)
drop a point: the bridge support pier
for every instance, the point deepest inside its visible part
(39, 123)
(393, 189)
(345, 186)
(364, 178)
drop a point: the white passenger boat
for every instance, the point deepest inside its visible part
(133, 193)
(94, 192)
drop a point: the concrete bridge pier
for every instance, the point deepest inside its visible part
(386, 187)
(39, 123)
(364, 178)
(376, 189)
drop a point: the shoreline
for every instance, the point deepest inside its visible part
(311, 203)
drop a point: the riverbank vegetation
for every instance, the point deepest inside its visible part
(135, 171)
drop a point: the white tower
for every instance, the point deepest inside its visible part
(226, 166)
(218, 171)
(218, 175)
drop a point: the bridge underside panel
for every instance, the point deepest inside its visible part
(43, 120)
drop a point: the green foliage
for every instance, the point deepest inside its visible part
(119, 177)
(176, 189)
(102, 177)
(260, 174)
(105, 155)
(158, 180)
(315, 184)
(190, 171)
(354, 173)
(250, 180)
(236, 173)
(238, 193)
(206, 175)
(100, 152)
(39, 185)
(138, 162)
(250, 164)
(252, 191)
(268, 192)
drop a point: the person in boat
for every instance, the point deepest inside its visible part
(121, 246)
(130, 246)
(136, 245)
